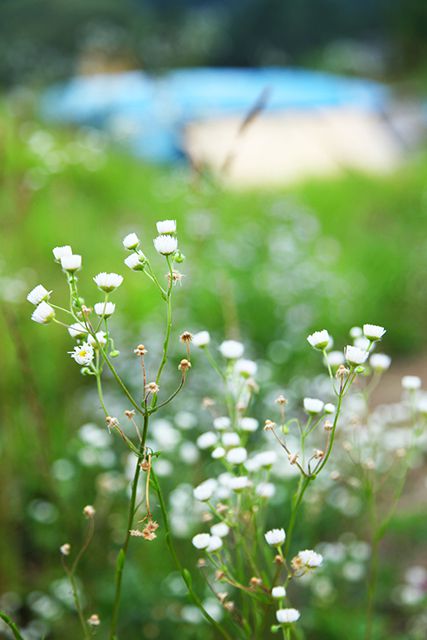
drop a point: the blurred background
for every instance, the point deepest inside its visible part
(288, 139)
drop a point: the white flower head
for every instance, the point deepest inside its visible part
(222, 423)
(335, 358)
(246, 368)
(310, 558)
(411, 383)
(104, 309)
(77, 330)
(313, 405)
(166, 226)
(43, 313)
(215, 543)
(265, 490)
(354, 355)
(380, 361)
(275, 537)
(230, 439)
(205, 490)
(329, 408)
(220, 529)
(237, 455)
(108, 281)
(165, 244)
(82, 354)
(201, 339)
(38, 294)
(207, 440)
(101, 339)
(239, 483)
(60, 252)
(362, 343)
(201, 540)
(131, 241)
(355, 332)
(218, 453)
(319, 339)
(71, 262)
(249, 424)
(373, 332)
(278, 592)
(231, 349)
(135, 261)
(287, 616)
(266, 459)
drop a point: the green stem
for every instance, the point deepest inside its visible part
(12, 626)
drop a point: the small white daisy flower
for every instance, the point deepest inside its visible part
(77, 330)
(275, 537)
(278, 592)
(310, 558)
(131, 241)
(287, 616)
(165, 244)
(43, 313)
(201, 339)
(231, 349)
(362, 343)
(101, 339)
(201, 540)
(237, 455)
(215, 543)
(355, 332)
(218, 453)
(60, 252)
(246, 368)
(104, 309)
(207, 440)
(230, 439)
(133, 262)
(380, 361)
(329, 408)
(319, 339)
(71, 262)
(265, 490)
(166, 226)
(222, 423)
(38, 294)
(108, 281)
(411, 383)
(335, 358)
(266, 459)
(313, 405)
(373, 332)
(249, 424)
(354, 355)
(82, 354)
(239, 483)
(205, 490)
(220, 529)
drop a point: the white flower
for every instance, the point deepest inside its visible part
(217, 453)
(166, 226)
(237, 455)
(104, 309)
(222, 423)
(205, 490)
(246, 368)
(60, 252)
(101, 338)
(286, 616)
(206, 440)
(220, 529)
(252, 465)
(319, 339)
(239, 484)
(43, 313)
(77, 330)
(310, 558)
(82, 354)
(422, 405)
(355, 332)
(133, 261)
(278, 592)
(165, 244)
(380, 361)
(373, 331)
(249, 424)
(335, 358)
(230, 439)
(201, 339)
(231, 349)
(108, 281)
(131, 241)
(275, 537)
(313, 405)
(411, 383)
(201, 540)
(354, 355)
(215, 543)
(329, 407)
(362, 343)
(38, 294)
(71, 262)
(265, 490)
(266, 458)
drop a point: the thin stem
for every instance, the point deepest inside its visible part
(76, 599)
(12, 626)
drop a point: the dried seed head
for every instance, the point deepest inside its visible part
(145, 464)
(89, 511)
(207, 517)
(176, 277)
(318, 454)
(293, 458)
(184, 365)
(152, 387)
(255, 582)
(65, 549)
(281, 400)
(94, 620)
(201, 563)
(296, 563)
(278, 559)
(219, 575)
(129, 413)
(111, 422)
(335, 475)
(327, 425)
(208, 402)
(342, 372)
(221, 508)
(85, 310)
(136, 533)
(229, 606)
(140, 350)
(269, 425)
(222, 596)
(186, 337)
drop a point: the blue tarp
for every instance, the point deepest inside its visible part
(149, 112)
